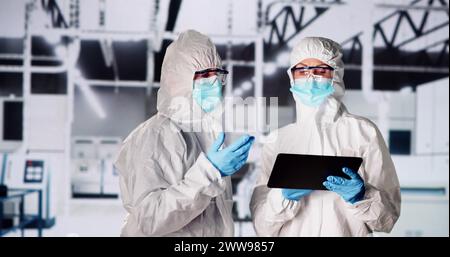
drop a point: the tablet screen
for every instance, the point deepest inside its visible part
(300, 171)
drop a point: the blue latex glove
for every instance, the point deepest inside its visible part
(351, 190)
(230, 159)
(295, 194)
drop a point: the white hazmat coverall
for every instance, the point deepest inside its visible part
(328, 130)
(168, 186)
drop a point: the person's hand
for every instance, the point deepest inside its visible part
(295, 194)
(351, 190)
(232, 158)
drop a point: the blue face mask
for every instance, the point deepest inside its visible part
(312, 92)
(207, 93)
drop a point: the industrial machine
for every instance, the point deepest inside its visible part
(93, 173)
(24, 171)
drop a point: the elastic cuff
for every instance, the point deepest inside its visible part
(363, 205)
(280, 208)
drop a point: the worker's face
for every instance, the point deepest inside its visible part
(312, 67)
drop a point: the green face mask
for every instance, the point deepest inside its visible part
(207, 93)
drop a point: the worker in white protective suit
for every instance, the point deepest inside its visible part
(367, 200)
(174, 177)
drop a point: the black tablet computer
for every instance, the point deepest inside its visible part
(300, 171)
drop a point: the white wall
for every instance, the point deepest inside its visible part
(433, 117)
(402, 106)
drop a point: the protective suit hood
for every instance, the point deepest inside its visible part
(191, 52)
(325, 50)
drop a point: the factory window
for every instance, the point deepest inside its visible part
(400, 142)
(11, 84)
(49, 83)
(12, 123)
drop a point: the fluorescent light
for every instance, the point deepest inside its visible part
(61, 52)
(406, 90)
(283, 59)
(91, 98)
(238, 91)
(270, 69)
(52, 38)
(247, 85)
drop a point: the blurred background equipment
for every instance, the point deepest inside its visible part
(93, 173)
(77, 76)
(25, 175)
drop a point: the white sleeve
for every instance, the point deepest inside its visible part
(158, 202)
(380, 208)
(270, 210)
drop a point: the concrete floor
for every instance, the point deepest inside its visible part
(86, 218)
(104, 218)
(99, 218)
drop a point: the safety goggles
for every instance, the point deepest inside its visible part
(315, 72)
(207, 73)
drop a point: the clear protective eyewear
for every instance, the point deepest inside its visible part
(315, 72)
(207, 73)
